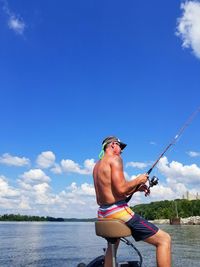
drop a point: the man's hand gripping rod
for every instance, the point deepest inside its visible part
(154, 179)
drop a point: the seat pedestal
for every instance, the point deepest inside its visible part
(112, 230)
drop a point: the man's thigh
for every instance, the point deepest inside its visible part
(158, 238)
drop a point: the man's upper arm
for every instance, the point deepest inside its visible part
(117, 175)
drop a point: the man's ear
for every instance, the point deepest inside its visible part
(112, 145)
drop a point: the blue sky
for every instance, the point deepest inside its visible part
(74, 72)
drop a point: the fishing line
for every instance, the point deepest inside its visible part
(173, 141)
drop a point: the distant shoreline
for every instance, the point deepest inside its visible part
(193, 220)
(27, 218)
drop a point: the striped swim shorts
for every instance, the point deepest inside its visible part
(140, 228)
(119, 210)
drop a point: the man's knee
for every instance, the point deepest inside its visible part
(161, 238)
(165, 239)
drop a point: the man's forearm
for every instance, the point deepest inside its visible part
(132, 189)
(133, 185)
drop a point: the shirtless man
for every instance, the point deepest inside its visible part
(111, 191)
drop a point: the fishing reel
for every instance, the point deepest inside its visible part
(145, 188)
(154, 181)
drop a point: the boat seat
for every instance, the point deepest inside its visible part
(112, 229)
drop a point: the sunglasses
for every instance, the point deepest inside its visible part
(116, 143)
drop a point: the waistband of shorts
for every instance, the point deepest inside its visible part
(120, 202)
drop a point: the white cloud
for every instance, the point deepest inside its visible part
(56, 169)
(138, 165)
(37, 193)
(35, 175)
(89, 165)
(79, 201)
(6, 190)
(188, 28)
(35, 189)
(69, 165)
(187, 174)
(14, 160)
(7, 203)
(162, 192)
(24, 203)
(15, 22)
(193, 154)
(24, 185)
(42, 194)
(83, 189)
(129, 177)
(70, 202)
(41, 188)
(46, 159)
(34, 195)
(153, 143)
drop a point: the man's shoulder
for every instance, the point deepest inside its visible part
(109, 160)
(115, 159)
(96, 165)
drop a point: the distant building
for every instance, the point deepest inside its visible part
(190, 196)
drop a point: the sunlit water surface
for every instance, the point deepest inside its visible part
(40, 244)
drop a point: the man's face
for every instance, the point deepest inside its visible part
(117, 149)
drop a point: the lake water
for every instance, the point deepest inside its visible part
(40, 244)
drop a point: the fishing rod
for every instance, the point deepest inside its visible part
(154, 179)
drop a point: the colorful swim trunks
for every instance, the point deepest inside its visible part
(140, 228)
(119, 210)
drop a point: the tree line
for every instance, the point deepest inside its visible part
(27, 218)
(168, 209)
